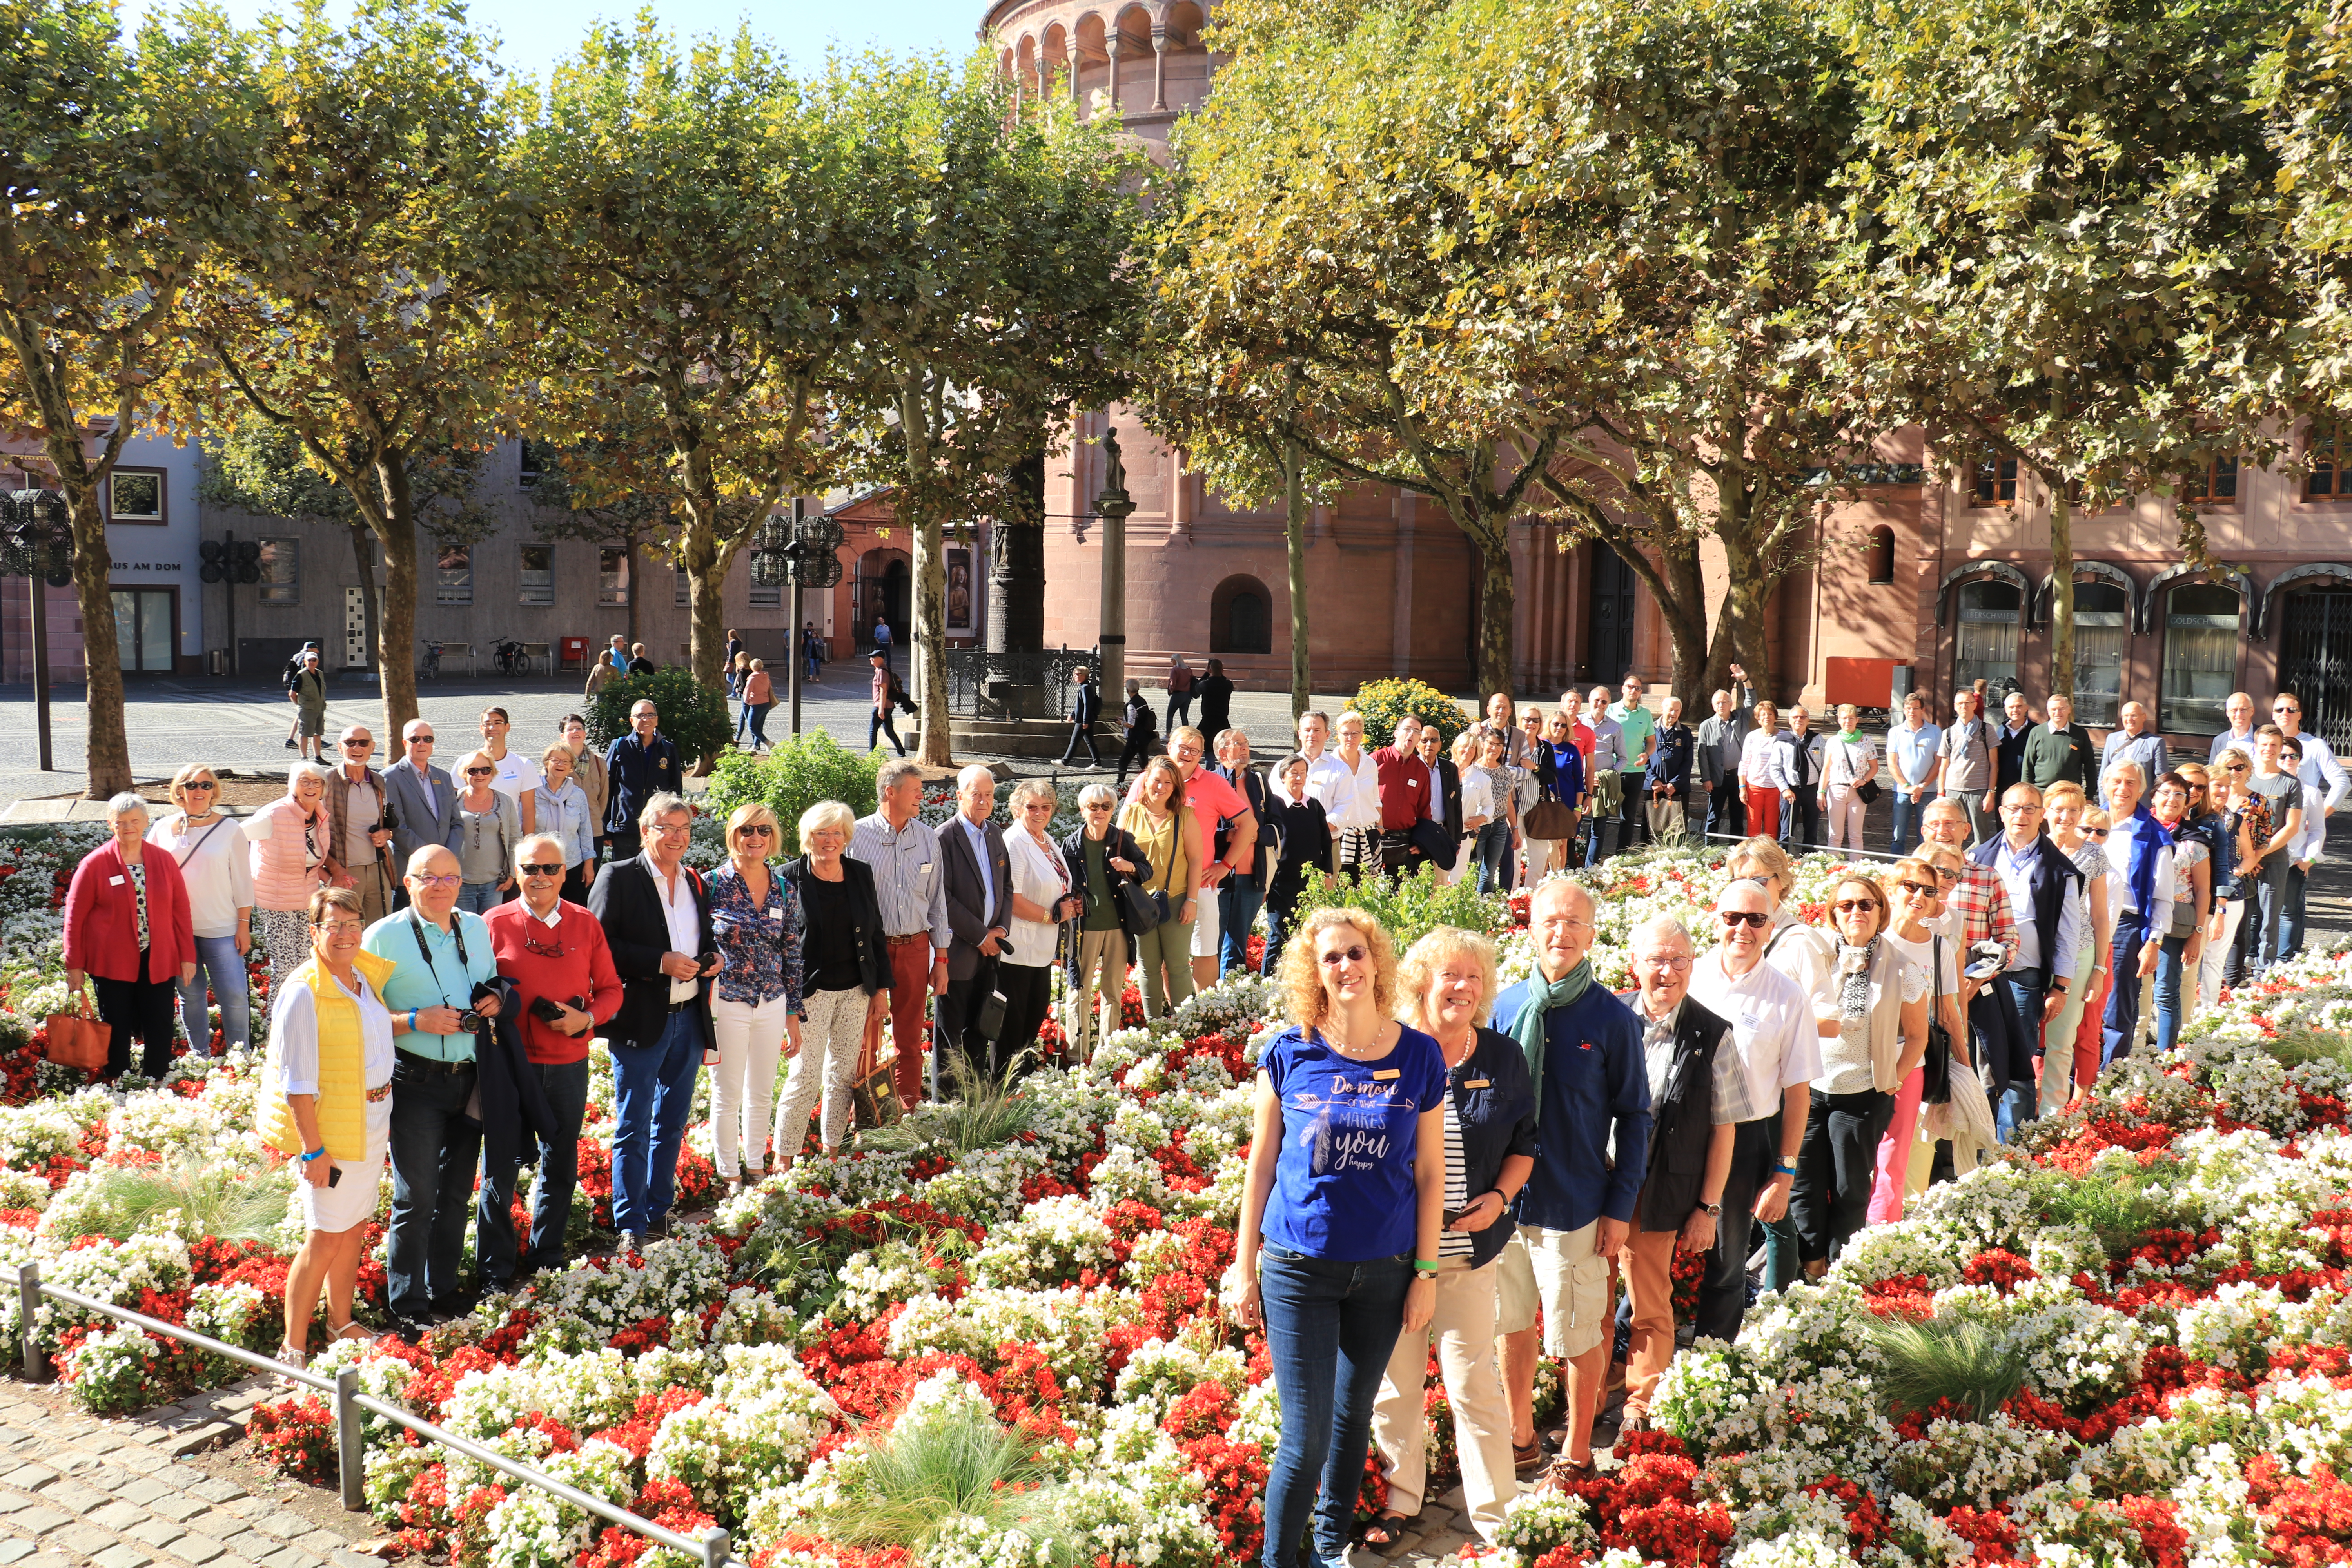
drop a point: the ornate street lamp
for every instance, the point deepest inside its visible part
(804, 552)
(36, 542)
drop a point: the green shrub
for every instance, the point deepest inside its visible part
(1383, 702)
(946, 1464)
(2118, 1208)
(793, 777)
(1977, 1365)
(693, 715)
(1409, 906)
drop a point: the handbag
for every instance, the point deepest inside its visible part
(874, 1092)
(1868, 790)
(1549, 817)
(1935, 1076)
(80, 1040)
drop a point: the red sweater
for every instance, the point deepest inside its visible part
(585, 970)
(1404, 788)
(102, 917)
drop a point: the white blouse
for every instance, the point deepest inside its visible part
(1478, 793)
(1757, 769)
(214, 865)
(1042, 877)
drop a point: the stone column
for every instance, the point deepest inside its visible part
(1116, 506)
(1111, 56)
(1158, 69)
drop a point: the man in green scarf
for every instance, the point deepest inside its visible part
(1592, 1088)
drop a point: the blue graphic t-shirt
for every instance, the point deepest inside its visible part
(1343, 1184)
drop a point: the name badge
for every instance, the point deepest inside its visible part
(1388, 1073)
(777, 916)
(924, 870)
(1479, 1083)
(114, 881)
(1749, 1021)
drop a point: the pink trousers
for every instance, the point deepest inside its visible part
(1886, 1187)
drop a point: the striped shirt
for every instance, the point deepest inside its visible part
(1455, 1243)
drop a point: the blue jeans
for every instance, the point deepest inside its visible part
(2017, 993)
(2169, 1018)
(495, 1243)
(2296, 918)
(2120, 1025)
(479, 897)
(219, 966)
(1238, 899)
(435, 1149)
(742, 720)
(1908, 816)
(652, 1090)
(1329, 1328)
(1278, 916)
(759, 717)
(1490, 855)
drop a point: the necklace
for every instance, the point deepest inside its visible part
(1352, 1052)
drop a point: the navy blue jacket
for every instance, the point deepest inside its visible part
(2048, 881)
(1670, 760)
(1594, 1080)
(635, 773)
(1498, 1113)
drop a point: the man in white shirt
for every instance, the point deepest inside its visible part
(1351, 793)
(2241, 732)
(1327, 777)
(1773, 1026)
(518, 776)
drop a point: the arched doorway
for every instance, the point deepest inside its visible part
(1609, 615)
(1241, 617)
(884, 591)
(2315, 659)
(1986, 649)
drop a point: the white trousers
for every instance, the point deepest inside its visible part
(750, 1042)
(2215, 958)
(1463, 1326)
(828, 1065)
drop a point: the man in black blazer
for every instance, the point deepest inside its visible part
(1085, 707)
(423, 802)
(977, 875)
(657, 924)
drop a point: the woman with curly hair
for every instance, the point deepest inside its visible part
(1338, 1249)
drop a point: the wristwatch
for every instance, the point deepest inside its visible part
(2059, 986)
(1714, 1210)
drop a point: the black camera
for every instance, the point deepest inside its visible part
(469, 1019)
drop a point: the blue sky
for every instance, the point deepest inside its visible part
(533, 33)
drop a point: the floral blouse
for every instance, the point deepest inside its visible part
(759, 948)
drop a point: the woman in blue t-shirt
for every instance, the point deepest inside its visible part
(1340, 1215)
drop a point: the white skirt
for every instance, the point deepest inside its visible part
(353, 1197)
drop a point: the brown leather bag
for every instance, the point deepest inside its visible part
(80, 1040)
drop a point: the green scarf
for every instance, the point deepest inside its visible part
(1544, 995)
(1848, 737)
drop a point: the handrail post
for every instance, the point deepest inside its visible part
(350, 1455)
(715, 1541)
(28, 1304)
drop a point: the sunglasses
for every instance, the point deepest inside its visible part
(1097, 805)
(1922, 890)
(1356, 954)
(2095, 832)
(1848, 906)
(479, 773)
(2283, 708)
(1744, 917)
(542, 870)
(756, 830)
(1946, 874)
(2234, 768)
(200, 784)
(359, 746)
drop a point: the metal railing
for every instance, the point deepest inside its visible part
(712, 1548)
(1033, 683)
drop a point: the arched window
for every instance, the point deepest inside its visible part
(1241, 617)
(1988, 634)
(2201, 658)
(1882, 554)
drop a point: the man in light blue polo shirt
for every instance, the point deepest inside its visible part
(444, 956)
(1638, 728)
(1914, 753)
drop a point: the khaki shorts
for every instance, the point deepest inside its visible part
(1573, 1279)
(1515, 1299)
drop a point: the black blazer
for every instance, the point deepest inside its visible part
(627, 901)
(1681, 1119)
(1121, 846)
(968, 922)
(1305, 842)
(1447, 806)
(865, 910)
(514, 1105)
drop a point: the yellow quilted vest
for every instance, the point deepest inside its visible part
(342, 1068)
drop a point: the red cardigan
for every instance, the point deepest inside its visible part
(585, 970)
(102, 916)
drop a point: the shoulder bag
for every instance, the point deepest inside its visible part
(1139, 909)
(1936, 1068)
(1868, 790)
(80, 1038)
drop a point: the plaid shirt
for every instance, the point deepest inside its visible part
(1985, 914)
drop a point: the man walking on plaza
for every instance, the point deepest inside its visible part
(1085, 707)
(2047, 894)
(2060, 752)
(444, 964)
(1720, 739)
(1592, 1097)
(638, 766)
(1966, 760)
(1637, 730)
(359, 838)
(911, 888)
(424, 801)
(977, 873)
(2132, 741)
(1778, 1042)
(1914, 760)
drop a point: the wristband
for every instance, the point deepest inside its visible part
(314, 1154)
(1419, 1266)
(412, 1020)
(1784, 1169)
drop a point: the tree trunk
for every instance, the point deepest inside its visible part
(1684, 612)
(1740, 629)
(397, 528)
(706, 588)
(2062, 590)
(1497, 603)
(1293, 530)
(930, 591)
(108, 755)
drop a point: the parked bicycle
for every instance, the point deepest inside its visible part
(507, 656)
(429, 667)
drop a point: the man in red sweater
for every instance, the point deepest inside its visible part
(556, 954)
(1406, 794)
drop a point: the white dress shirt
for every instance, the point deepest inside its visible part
(2016, 868)
(2324, 778)
(1772, 1022)
(679, 911)
(1354, 800)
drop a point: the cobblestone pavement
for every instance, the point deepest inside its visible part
(146, 1492)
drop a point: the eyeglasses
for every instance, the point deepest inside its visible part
(1093, 807)
(1677, 962)
(1346, 956)
(2095, 832)
(1756, 918)
(340, 928)
(1921, 889)
(674, 830)
(479, 773)
(1039, 805)
(542, 870)
(200, 784)
(1848, 906)
(532, 944)
(423, 880)
(756, 830)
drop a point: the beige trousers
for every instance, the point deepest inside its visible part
(1102, 970)
(1463, 1328)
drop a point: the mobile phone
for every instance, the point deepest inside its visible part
(334, 1174)
(1449, 1218)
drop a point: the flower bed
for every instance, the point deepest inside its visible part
(2127, 1344)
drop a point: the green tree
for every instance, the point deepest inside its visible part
(2058, 243)
(604, 491)
(693, 302)
(2303, 88)
(986, 284)
(355, 301)
(109, 161)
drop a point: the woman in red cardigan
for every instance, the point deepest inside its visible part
(127, 928)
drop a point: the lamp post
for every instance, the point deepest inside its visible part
(804, 552)
(36, 542)
(1114, 505)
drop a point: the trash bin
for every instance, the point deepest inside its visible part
(575, 652)
(1903, 677)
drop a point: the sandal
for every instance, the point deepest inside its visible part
(1530, 1461)
(1387, 1532)
(1565, 1472)
(357, 1332)
(291, 1356)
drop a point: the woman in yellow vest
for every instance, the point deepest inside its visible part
(326, 1103)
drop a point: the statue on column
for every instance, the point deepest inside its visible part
(1114, 466)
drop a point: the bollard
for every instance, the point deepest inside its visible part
(350, 1455)
(715, 1543)
(28, 1304)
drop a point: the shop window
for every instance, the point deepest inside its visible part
(2101, 620)
(536, 574)
(1995, 480)
(1988, 634)
(2215, 482)
(1241, 617)
(135, 495)
(281, 571)
(682, 591)
(1882, 554)
(2201, 660)
(2326, 456)
(453, 575)
(612, 576)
